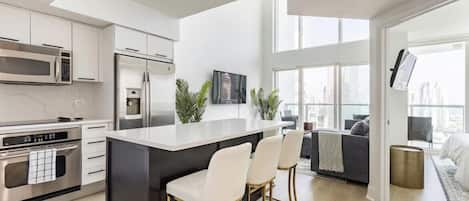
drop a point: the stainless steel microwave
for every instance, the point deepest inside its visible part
(28, 64)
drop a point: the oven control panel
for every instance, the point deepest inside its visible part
(35, 138)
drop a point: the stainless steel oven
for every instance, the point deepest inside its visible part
(14, 163)
(28, 64)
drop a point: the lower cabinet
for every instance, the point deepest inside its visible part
(93, 153)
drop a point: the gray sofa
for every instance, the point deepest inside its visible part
(355, 155)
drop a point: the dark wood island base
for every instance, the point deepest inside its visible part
(140, 173)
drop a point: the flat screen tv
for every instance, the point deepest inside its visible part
(402, 71)
(228, 88)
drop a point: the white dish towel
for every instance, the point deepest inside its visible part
(42, 166)
(330, 151)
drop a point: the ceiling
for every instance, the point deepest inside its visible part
(361, 9)
(182, 8)
(44, 7)
(448, 21)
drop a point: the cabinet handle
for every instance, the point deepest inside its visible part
(97, 142)
(96, 127)
(54, 46)
(95, 157)
(94, 172)
(10, 39)
(89, 79)
(160, 55)
(130, 49)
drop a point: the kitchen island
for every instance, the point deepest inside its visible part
(141, 161)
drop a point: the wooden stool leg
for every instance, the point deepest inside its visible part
(270, 190)
(249, 193)
(168, 198)
(294, 183)
(263, 193)
(289, 184)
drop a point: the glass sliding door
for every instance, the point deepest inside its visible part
(318, 96)
(355, 94)
(331, 97)
(437, 88)
(287, 84)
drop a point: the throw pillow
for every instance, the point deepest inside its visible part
(360, 128)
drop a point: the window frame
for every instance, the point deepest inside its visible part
(337, 99)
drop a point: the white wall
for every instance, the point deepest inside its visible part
(397, 100)
(226, 38)
(25, 102)
(126, 13)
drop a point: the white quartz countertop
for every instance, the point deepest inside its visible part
(61, 125)
(184, 136)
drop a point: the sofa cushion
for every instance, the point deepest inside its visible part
(360, 128)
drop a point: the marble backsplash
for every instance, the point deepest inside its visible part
(26, 102)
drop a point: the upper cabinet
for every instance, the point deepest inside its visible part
(160, 47)
(150, 46)
(15, 24)
(130, 40)
(85, 53)
(50, 31)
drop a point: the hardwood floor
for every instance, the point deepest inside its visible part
(318, 188)
(309, 188)
(433, 190)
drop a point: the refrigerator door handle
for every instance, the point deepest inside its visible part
(145, 100)
(149, 98)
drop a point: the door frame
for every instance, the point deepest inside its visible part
(379, 187)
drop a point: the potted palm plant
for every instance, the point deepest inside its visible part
(190, 106)
(267, 107)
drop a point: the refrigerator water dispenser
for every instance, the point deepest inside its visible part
(134, 101)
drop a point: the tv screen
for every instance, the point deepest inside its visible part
(228, 88)
(403, 69)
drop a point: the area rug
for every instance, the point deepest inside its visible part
(446, 171)
(304, 167)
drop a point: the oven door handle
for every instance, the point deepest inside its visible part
(26, 153)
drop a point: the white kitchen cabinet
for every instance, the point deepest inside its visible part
(93, 148)
(85, 53)
(50, 31)
(130, 40)
(15, 24)
(160, 47)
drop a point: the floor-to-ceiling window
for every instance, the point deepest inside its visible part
(319, 96)
(437, 88)
(286, 82)
(326, 91)
(355, 92)
(331, 95)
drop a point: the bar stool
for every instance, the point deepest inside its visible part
(224, 179)
(289, 157)
(263, 166)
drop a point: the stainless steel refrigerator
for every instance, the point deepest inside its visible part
(145, 92)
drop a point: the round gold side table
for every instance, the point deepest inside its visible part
(407, 166)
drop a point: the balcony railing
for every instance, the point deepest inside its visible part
(446, 119)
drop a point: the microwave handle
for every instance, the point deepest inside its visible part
(26, 153)
(57, 69)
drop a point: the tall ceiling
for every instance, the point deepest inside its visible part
(361, 9)
(44, 6)
(182, 8)
(448, 21)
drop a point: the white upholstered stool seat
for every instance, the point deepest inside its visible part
(188, 187)
(263, 166)
(289, 157)
(224, 179)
